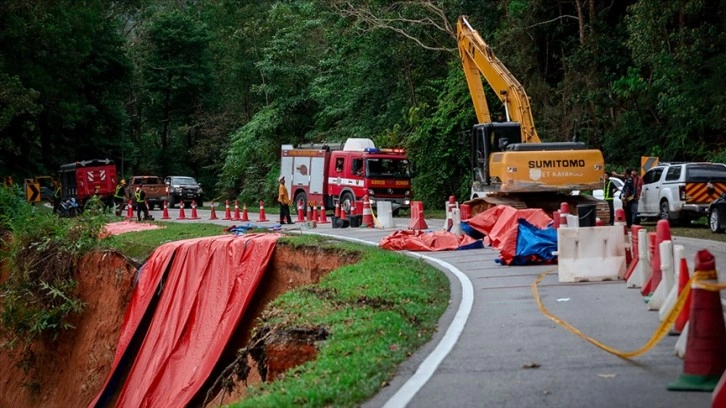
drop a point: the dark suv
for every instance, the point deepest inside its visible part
(184, 188)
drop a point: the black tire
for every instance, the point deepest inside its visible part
(347, 201)
(714, 223)
(299, 196)
(663, 211)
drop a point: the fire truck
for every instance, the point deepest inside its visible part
(80, 180)
(332, 175)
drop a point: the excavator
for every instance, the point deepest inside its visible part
(511, 165)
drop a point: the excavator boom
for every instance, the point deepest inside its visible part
(479, 60)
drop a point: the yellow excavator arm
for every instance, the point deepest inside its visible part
(479, 60)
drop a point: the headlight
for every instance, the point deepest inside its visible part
(177, 189)
(370, 191)
(407, 193)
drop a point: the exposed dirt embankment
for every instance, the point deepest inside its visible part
(70, 371)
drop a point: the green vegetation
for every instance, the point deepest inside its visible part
(377, 312)
(39, 254)
(170, 87)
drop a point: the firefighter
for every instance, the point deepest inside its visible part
(140, 202)
(284, 199)
(119, 197)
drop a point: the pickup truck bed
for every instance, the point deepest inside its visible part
(153, 186)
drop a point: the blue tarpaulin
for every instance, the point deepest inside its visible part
(534, 245)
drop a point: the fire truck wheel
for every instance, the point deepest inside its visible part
(300, 196)
(346, 202)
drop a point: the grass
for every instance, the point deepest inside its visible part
(377, 312)
(697, 229)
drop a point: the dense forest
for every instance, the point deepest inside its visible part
(212, 88)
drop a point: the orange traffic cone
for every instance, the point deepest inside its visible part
(682, 319)
(465, 211)
(300, 211)
(165, 213)
(227, 215)
(315, 212)
(212, 214)
(236, 211)
(342, 213)
(194, 211)
(336, 214)
(245, 216)
(130, 210)
(718, 397)
(368, 217)
(309, 214)
(323, 217)
(262, 212)
(705, 358)
(634, 246)
(181, 211)
(417, 216)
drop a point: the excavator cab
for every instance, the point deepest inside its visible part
(488, 138)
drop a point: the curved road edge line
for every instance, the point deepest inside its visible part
(428, 366)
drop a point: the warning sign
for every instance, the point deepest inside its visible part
(646, 163)
(32, 192)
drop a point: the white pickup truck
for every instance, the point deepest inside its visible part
(681, 192)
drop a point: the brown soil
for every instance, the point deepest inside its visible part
(70, 371)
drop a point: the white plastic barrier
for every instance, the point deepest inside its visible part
(385, 214)
(456, 227)
(641, 274)
(679, 252)
(590, 253)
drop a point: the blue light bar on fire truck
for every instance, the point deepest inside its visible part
(377, 150)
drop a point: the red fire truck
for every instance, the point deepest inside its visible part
(328, 174)
(79, 180)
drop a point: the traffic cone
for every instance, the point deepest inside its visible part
(634, 250)
(367, 216)
(718, 397)
(194, 215)
(181, 212)
(417, 216)
(227, 215)
(682, 319)
(705, 359)
(212, 214)
(342, 213)
(236, 211)
(315, 213)
(564, 211)
(465, 211)
(245, 215)
(165, 213)
(679, 252)
(657, 299)
(642, 266)
(662, 233)
(130, 210)
(647, 289)
(555, 219)
(450, 205)
(262, 212)
(300, 211)
(323, 217)
(309, 214)
(336, 214)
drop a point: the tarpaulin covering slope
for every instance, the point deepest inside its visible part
(209, 284)
(417, 240)
(500, 224)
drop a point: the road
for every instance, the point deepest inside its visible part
(495, 348)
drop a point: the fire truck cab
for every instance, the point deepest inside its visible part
(344, 174)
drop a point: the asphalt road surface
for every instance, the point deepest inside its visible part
(494, 347)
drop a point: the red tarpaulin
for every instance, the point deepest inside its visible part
(417, 240)
(208, 286)
(500, 226)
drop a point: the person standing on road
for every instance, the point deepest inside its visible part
(637, 189)
(627, 196)
(140, 201)
(119, 196)
(609, 194)
(284, 199)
